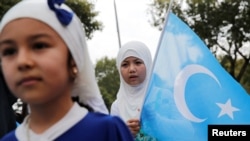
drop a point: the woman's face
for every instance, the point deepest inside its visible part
(133, 71)
(34, 61)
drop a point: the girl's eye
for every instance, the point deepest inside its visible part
(40, 45)
(139, 62)
(8, 51)
(124, 65)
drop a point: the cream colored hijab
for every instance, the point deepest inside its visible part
(74, 36)
(130, 98)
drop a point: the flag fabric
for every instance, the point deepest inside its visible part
(189, 89)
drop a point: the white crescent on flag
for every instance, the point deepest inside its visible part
(179, 89)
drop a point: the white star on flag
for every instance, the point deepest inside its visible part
(227, 108)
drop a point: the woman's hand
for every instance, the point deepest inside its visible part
(134, 126)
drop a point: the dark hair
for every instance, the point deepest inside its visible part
(76, 99)
(7, 114)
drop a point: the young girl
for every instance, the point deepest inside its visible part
(133, 63)
(45, 62)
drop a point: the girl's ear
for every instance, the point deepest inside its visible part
(73, 69)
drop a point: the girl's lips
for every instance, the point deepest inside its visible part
(28, 81)
(133, 76)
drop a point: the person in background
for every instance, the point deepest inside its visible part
(134, 65)
(7, 114)
(45, 62)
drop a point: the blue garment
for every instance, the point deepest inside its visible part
(93, 127)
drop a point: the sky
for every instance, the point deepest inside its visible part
(133, 21)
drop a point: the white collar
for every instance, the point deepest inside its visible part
(75, 114)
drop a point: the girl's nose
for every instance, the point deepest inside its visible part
(132, 68)
(24, 60)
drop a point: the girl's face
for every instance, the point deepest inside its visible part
(133, 71)
(34, 61)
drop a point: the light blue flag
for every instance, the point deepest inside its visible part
(189, 89)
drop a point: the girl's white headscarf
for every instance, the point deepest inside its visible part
(130, 98)
(74, 36)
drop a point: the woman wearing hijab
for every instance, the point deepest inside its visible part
(45, 62)
(133, 63)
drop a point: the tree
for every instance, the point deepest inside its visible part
(245, 80)
(222, 25)
(5, 5)
(83, 9)
(108, 79)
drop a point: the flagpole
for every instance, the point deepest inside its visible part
(117, 25)
(158, 47)
(164, 27)
(166, 19)
(161, 36)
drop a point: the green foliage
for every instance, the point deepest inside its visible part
(108, 79)
(5, 5)
(222, 25)
(245, 81)
(83, 9)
